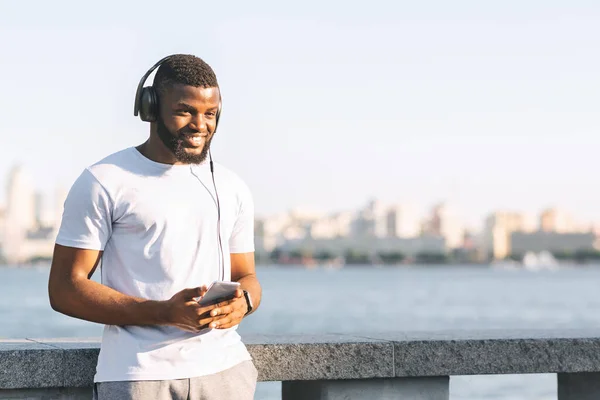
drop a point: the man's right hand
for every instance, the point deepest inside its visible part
(184, 312)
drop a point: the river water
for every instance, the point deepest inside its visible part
(370, 299)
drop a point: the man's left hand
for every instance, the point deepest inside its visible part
(231, 314)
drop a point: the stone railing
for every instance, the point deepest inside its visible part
(414, 366)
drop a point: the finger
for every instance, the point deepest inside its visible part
(206, 309)
(189, 294)
(229, 322)
(238, 305)
(221, 322)
(193, 303)
(223, 310)
(233, 305)
(239, 293)
(206, 321)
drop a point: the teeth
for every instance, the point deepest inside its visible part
(197, 139)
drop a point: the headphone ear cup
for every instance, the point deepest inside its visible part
(148, 104)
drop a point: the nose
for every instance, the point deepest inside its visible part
(199, 123)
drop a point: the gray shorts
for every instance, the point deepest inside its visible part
(237, 383)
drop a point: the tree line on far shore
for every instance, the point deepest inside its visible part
(354, 257)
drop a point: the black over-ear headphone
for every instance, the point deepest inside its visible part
(146, 99)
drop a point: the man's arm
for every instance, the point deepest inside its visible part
(73, 293)
(243, 271)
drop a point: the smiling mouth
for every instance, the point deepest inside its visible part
(193, 140)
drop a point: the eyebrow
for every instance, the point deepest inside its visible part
(186, 106)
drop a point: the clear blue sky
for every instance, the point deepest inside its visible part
(326, 103)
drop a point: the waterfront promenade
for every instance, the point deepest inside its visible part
(400, 365)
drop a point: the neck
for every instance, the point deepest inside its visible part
(155, 150)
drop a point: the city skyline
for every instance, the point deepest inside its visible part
(29, 224)
(472, 223)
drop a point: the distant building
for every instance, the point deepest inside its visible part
(559, 221)
(496, 235)
(386, 221)
(403, 221)
(39, 244)
(445, 222)
(554, 242)
(371, 245)
(21, 201)
(29, 226)
(333, 226)
(268, 231)
(371, 221)
(20, 216)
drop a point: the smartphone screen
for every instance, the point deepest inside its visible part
(219, 291)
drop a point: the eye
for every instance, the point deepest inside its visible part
(210, 114)
(182, 112)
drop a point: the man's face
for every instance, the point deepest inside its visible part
(187, 121)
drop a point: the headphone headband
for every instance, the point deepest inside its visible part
(138, 93)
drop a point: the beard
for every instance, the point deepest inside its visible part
(174, 143)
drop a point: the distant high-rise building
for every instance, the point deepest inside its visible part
(496, 235)
(403, 221)
(41, 215)
(21, 201)
(371, 221)
(445, 222)
(20, 217)
(559, 221)
(376, 211)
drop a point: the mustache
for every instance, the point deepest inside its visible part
(187, 131)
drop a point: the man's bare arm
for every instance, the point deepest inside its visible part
(243, 270)
(73, 293)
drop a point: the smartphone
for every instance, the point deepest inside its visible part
(219, 291)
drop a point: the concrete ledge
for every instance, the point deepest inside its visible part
(35, 363)
(320, 357)
(493, 352)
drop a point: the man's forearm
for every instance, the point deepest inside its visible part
(92, 301)
(251, 284)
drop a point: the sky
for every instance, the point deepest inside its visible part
(484, 105)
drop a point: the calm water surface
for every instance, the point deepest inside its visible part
(365, 299)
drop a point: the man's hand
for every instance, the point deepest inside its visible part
(230, 313)
(184, 312)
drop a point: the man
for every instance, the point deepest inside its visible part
(159, 224)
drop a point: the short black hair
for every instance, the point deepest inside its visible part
(185, 69)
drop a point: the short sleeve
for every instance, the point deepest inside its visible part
(242, 236)
(86, 221)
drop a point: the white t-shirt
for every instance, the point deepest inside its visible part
(157, 226)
